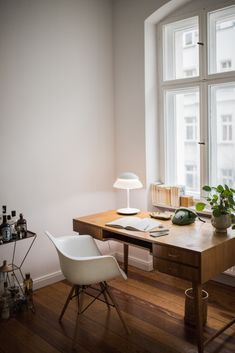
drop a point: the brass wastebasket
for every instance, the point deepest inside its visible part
(189, 312)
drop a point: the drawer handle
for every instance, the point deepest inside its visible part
(174, 256)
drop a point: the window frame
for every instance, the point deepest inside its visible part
(204, 80)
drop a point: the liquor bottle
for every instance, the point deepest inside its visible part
(13, 225)
(5, 229)
(9, 221)
(4, 211)
(21, 227)
(28, 290)
(13, 283)
(5, 303)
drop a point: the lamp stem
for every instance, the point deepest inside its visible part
(128, 197)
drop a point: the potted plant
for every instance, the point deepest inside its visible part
(221, 201)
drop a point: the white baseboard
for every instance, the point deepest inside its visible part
(45, 280)
(136, 262)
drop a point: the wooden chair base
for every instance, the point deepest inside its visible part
(78, 291)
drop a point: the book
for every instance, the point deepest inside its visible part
(165, 195)
(139, 224)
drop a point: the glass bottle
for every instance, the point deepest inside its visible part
(28, 290)
(13, 224)
(21, 227)
(5, 229)
(4, 211)
(9, 221)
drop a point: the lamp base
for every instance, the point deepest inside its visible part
(128, 211)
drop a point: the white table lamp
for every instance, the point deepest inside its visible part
(128, 181)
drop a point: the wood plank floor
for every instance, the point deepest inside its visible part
(152, 304)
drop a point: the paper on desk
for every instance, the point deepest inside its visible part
(159, 233)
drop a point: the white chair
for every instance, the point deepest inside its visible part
(83, 265)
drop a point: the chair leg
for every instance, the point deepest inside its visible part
(105, 295)
(108, 291)
(79, 293)
(67, 302)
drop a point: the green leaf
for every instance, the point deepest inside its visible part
(233, 227)
(226, 193)
(220, 188)
(200, 206)
(206, 188)
(216, 212)
(215, 198)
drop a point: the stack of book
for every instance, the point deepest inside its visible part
(165, 195)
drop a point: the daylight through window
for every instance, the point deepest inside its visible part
(198, 107)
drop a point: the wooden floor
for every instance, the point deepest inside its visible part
(152, 304)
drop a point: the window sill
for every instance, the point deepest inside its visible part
(206, 214)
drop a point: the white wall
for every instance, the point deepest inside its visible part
(56, 117)
(132, 146)
(129, 80)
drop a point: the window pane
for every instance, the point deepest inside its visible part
(221, 49)
(222, 138)
(182, 135)
(180, 49)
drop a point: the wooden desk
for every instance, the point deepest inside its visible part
(194, 252)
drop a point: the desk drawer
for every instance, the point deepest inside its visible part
(175, 269)
(83, 228)
(177, 255)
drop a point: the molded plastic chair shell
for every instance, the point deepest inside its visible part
(81, 261)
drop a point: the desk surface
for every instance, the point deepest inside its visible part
(198, 236)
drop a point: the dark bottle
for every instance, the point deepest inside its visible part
(21, 227)
(5, 229)
(4, 211)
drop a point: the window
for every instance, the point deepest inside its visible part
(191, 176)
(198, 99)
(178, 36)
(221, 42)
(190, 124)
(225, 64)
(227, 177)
(226, 128)
(189, 72)
(189, 38)
(225, 25)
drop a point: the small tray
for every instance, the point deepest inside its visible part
(161, 215)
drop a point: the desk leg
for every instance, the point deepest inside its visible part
(197, 290)
(125, 251)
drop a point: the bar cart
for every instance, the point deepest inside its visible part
(12, 268)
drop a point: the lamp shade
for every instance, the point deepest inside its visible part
(128, 181)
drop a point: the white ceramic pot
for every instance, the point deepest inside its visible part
(222, 222)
